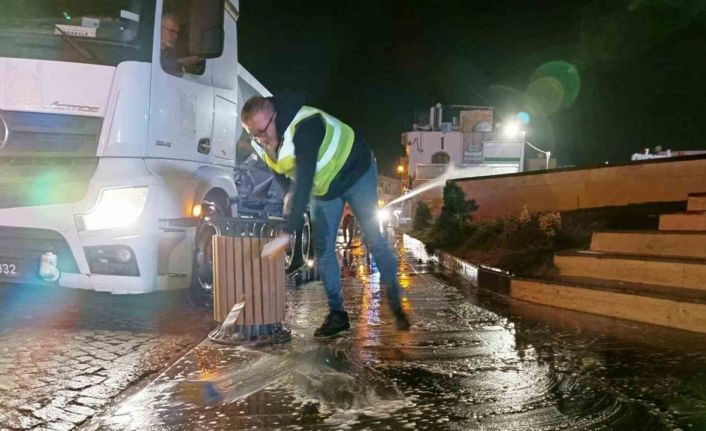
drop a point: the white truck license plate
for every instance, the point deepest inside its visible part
(9, 269)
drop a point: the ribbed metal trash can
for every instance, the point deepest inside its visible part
(241, 279)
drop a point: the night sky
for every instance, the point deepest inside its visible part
(600, 79)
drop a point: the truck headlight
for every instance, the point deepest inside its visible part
(115, 208)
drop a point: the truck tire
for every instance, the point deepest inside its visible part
(200, 292)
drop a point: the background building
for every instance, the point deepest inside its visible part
(388, 189)
(464, 137)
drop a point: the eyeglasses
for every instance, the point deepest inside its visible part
(258, 135)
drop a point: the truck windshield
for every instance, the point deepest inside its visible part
(86, 31)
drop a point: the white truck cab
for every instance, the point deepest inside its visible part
(118, 118)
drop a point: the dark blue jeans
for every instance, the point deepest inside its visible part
(326, 217)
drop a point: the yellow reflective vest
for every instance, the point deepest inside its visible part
(333, 153)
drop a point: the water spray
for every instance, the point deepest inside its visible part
(453, 172)
(440, 181)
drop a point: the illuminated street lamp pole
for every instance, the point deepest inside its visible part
(547, 154)
(512, 129)
(523, 133)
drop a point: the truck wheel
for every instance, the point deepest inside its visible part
(200, 292)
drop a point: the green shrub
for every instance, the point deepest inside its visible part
(536, 230)
(453, 223)
(521, 244)
(481, 236)
(524, 244)
(422, 218)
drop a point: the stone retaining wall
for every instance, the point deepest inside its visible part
(662, 180)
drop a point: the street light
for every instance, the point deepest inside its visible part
(513, 128)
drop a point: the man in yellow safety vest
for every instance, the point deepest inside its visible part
(329, 165)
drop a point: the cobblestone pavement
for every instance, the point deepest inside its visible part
(66, 354)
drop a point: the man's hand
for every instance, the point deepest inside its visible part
(276, 246)
(287, 203)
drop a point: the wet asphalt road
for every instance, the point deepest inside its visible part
(472, 361)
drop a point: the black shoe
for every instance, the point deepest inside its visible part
(401, 320)
(335, 322)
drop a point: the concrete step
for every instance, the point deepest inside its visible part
(697, 202)
(678, 272)
(651, 243)
(687, 221)
(658, 305)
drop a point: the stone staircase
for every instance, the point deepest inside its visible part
(656, 277)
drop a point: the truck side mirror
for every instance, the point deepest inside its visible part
(206, 28)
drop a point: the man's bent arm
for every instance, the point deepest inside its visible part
(307, 141)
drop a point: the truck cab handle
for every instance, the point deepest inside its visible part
(204, 146)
